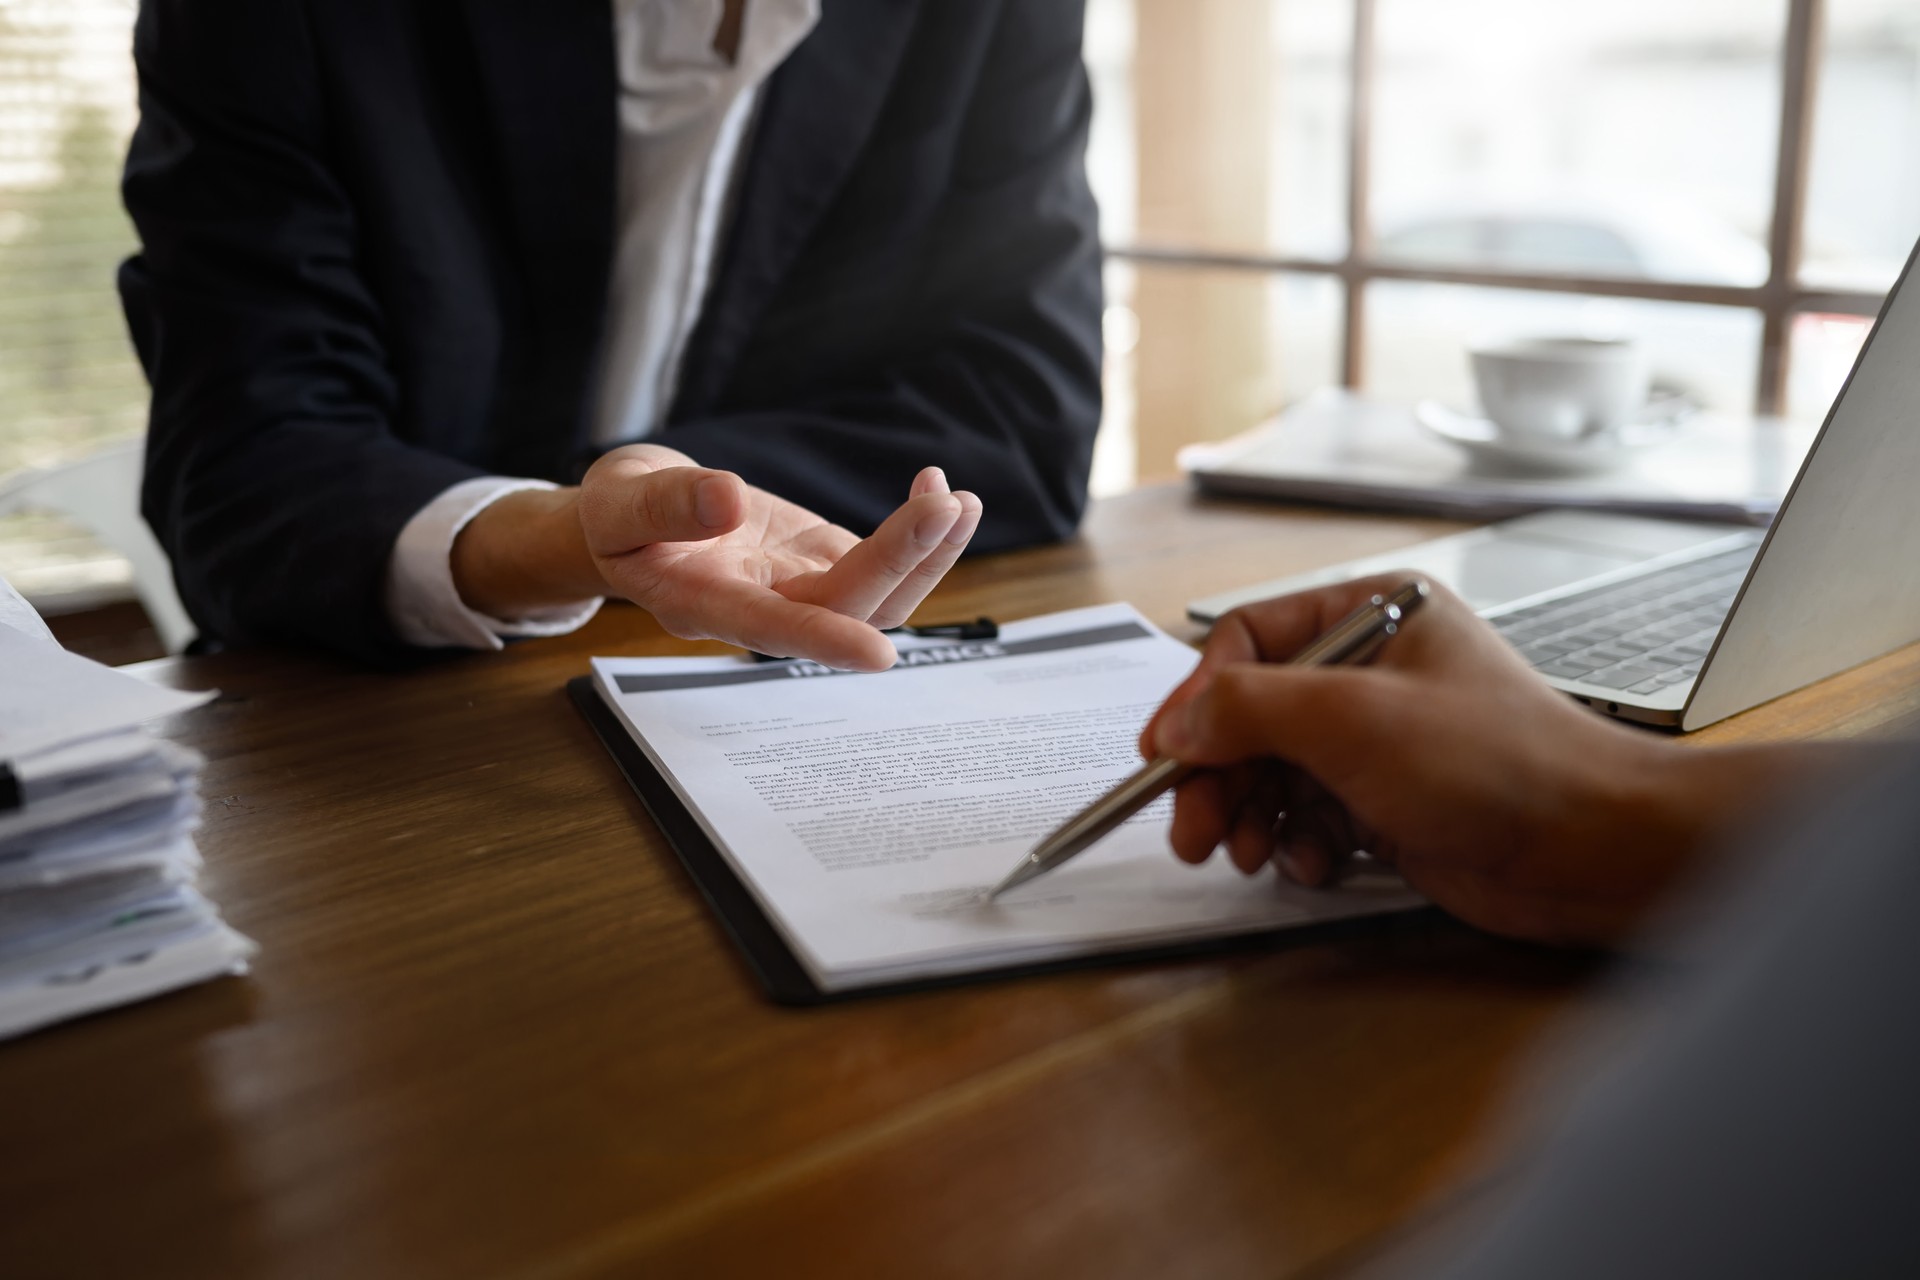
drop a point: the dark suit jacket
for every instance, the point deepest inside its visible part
(376, 242)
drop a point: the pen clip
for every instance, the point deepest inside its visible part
(1371, 645)
(982, 628)
(1391, 616)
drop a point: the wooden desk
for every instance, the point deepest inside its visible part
(493, 1031)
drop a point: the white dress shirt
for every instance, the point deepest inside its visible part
(685, 109)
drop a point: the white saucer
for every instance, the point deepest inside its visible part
(1583, 455)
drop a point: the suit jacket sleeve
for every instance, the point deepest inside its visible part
(1005, 392)
(273, 477)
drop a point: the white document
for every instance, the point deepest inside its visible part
(51, 698)
(177, 944)
(869, 814)
(17, 615)
(97, 861)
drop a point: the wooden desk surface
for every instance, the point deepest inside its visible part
(493, 1031)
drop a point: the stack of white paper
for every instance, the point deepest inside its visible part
(97, 862)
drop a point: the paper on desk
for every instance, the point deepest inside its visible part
(97, 860)
(868, 814)
(181, 945)
(50, 698)
(17, 615)
(153, 795)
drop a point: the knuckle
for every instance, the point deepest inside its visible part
(654, 505)
(677, 625)
(899, 561)
(1232, 689)
(1319, 700)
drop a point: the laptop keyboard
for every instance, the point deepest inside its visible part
(1637, 636)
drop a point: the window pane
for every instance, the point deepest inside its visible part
(1418, 335)
(1308, 128)
(1110, 149)
(1116, 450)
(1863, 204)
(1635, 138)
(1233, 114)
(68, 379)
(1304, 319)
(1216, 353)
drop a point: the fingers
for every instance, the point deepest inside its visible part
(867, 576)
(1309, 716)
(825, 543)
(1202, 811)
(832, 544)
(1274, 630)
(1267, 812)
(1250, 842)
(1305, 861)
(1254, 633)
(631, 503)
(1315, 842)
(906, 597)
(1174, 709)
(817, 589)
(930, 480)
(758, 618)
(1230, 643)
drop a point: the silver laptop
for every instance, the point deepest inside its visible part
(1683, 624)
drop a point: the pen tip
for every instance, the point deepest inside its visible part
(1024, 871)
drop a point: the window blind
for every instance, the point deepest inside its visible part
(69, 381)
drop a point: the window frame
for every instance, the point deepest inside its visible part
(1779, 299)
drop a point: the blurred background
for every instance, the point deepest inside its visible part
(69, 382)
(1304, 193)
(1296, 194)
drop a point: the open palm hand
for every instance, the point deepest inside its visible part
(712, 557)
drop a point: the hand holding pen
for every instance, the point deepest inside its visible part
(1256, 716)
(1353, 639)
(1497, 797)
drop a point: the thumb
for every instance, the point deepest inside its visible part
(634, 506)
(1310, 717)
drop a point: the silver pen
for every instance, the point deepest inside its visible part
(1354, 638)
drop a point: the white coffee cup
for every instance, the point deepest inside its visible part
(1560, 390)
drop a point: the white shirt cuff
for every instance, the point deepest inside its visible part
(422, 600)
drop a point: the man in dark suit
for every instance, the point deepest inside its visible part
(735, 268)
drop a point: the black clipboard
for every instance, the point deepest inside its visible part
(773, 962)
